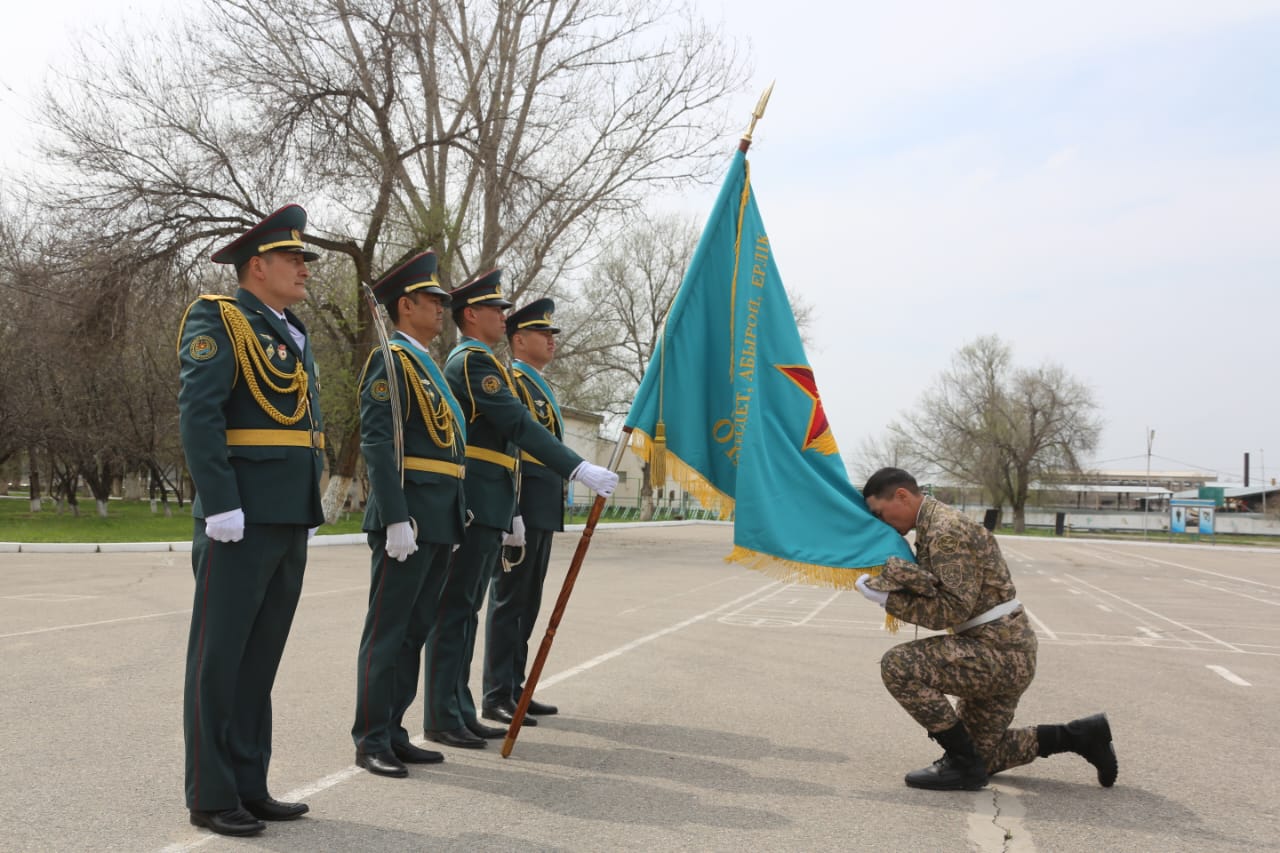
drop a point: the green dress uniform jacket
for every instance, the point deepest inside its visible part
(404, 596)
(249, 417)
(515, 596)
(498, 427)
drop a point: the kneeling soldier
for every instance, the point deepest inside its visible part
(988, 659)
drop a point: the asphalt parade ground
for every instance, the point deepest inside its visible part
(704, 706)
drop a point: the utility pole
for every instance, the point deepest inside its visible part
(1262, 467)
(1146, 505)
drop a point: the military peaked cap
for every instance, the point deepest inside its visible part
(536, 316)
(484, 289)
(416, 275)
(279, 232)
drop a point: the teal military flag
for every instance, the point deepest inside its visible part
(730, 409)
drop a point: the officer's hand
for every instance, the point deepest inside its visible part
(225, 526)
(602, 481)
(869, 593)
(311, 531)
(515, 538)
(400, 541)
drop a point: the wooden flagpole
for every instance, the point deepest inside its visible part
(566, 589)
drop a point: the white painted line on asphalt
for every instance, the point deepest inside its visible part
(1096, 554)
(94, 624)
(1207, 585)
(681, 594)
(1155, 635)
(1075, 591)
(1137, 606)
(1207, 572)
(186, 610)
(818, 609)
(635, 644)
(1044, 629)
(996, 822)
(351, 772)
(1228, 675)
(1104, 608)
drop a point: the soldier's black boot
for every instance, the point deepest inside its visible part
(1089, 737)
(959, 769)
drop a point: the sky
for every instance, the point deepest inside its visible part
(1098, 183)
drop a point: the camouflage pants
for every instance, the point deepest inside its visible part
(986, 669)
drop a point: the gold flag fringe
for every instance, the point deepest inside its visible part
(682, 473)
(791, 571)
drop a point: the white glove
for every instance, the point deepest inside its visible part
(311, 531)
(516, 537)
(400, 541)
(870, 594)
(602, 481)
(225, 526)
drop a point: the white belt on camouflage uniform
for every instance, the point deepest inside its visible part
(989, 616)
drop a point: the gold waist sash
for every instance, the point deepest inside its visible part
(275, 438)
(493, 457)
(435, 466)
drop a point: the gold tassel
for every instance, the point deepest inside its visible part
(658, 457)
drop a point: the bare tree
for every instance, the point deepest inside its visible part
(1004, 428)
(508, 133)
(613, 326)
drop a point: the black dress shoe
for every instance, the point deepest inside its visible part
(410, 754)
(536, 707)
(228, 822)
(456, 737)
(505, 713)
(382, 764)
(272, 809)
(479, 729)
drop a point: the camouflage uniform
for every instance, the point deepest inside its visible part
(960, 575)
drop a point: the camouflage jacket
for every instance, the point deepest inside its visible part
(960, 573)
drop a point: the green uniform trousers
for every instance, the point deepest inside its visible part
(514, 600)
(403, 598)
(246, 593)
(452, 640)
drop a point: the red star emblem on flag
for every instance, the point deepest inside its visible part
(818, 435)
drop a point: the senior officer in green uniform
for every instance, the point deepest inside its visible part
(498, 427)
(416, 513)
(988, 659)
(249, 415)
(516, 592)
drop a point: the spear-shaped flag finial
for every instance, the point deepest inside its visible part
(756, 115)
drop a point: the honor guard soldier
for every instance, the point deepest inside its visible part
(249, 415)
(988, 658)
(415, 516)
(516, 592)
(498, 427)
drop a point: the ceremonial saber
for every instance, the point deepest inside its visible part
(526, 696)
(388, 361)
